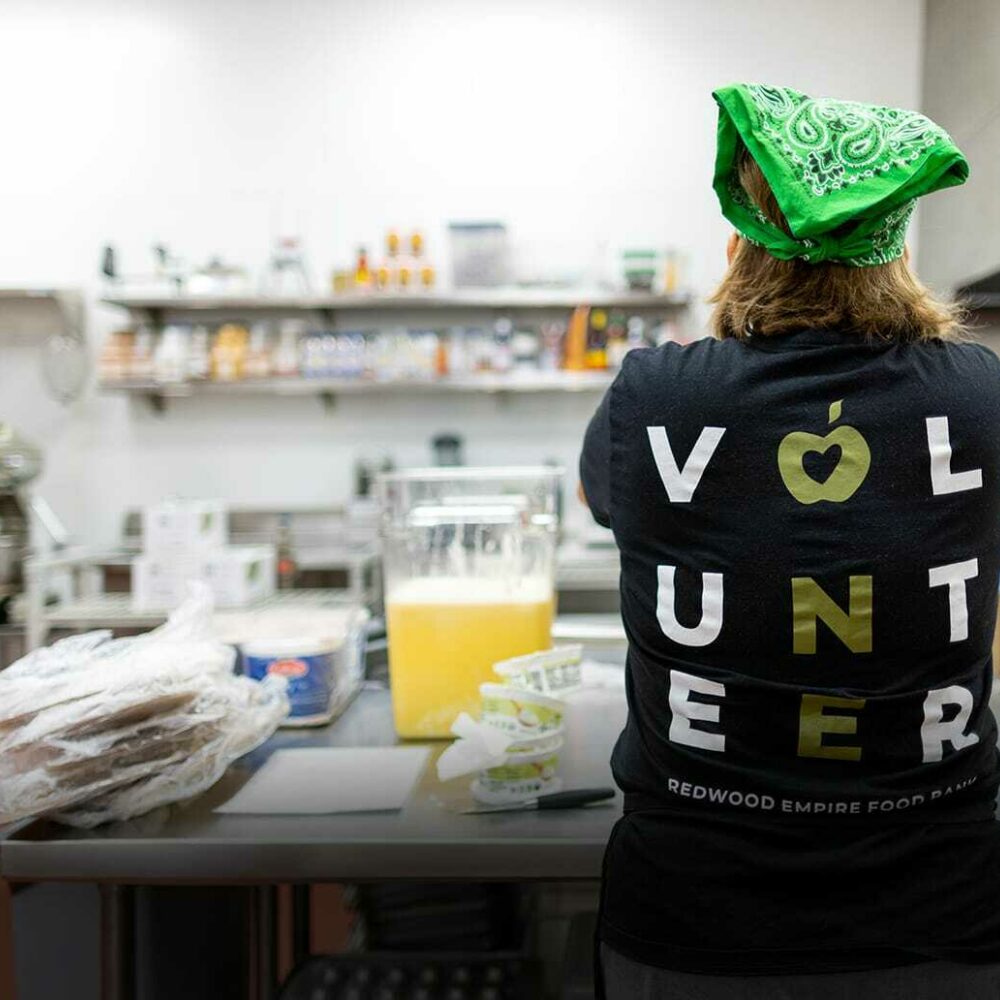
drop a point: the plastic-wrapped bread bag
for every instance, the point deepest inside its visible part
(94, 729)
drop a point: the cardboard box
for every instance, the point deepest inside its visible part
(241, 574)
(174, 526)
(237, 575)
(160, 584)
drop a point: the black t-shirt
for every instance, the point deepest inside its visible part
(809, 530)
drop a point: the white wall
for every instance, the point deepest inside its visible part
(960, 228)
(214, 124)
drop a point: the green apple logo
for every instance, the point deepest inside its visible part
(841, 484)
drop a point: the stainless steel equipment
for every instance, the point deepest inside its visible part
(20, 463)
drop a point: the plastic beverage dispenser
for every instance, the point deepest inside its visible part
(468, 556)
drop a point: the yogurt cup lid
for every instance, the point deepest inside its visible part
(534, 754)
(548, 741)
(557, 656)
(490, 690)
(490, 796)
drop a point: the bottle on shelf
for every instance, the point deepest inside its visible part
(170, 355)
(287, 274)
(422, 271)
(441, 355)
(286, 354)
(459, 362)
(362, 271)
(287, 567)
(115, 363)
(617, 341)
(404, 276)
(526, 348)
(329, 367)
(229, 353)
(199, 365)
(480, 350)
(141, 362)
(636, 333)
(352, 354)
(671, 271)
(574, 358)
(551, 349)
(503, 355)
(391, 264)
(596, 355)
(427, 277)
(258, 359)
(421, 348)
(311, 347)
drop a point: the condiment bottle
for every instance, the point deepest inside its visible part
(596, 356)
(362, 272)
(576, 340)
(229, 353)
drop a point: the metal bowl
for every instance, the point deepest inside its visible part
(20, 461)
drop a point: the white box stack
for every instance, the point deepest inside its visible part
(183, 527)
(241, 574)
(159, 581)
(185, 540)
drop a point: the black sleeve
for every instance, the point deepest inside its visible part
(595, 463)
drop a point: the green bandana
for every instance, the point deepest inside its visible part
(845, 175)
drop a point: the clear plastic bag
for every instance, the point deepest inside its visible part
(94, 729)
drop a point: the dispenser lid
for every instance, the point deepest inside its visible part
(431, 516)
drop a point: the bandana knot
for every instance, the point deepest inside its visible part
(846, 176)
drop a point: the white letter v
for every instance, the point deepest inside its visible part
(680, 484)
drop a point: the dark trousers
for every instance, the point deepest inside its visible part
(628, 980)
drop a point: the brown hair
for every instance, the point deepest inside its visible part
(768, 297)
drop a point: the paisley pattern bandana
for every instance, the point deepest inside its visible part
(845, 175)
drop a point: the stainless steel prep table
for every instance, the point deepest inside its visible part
(189, 844)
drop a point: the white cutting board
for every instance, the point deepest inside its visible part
(319, 780)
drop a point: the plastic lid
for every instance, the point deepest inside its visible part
(303, 646)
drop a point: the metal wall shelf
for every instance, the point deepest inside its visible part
(159, 394)
(157, 307)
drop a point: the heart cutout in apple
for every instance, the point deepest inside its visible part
(820, 465)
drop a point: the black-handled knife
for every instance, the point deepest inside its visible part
(571, 799)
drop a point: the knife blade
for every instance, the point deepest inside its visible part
(572, 799)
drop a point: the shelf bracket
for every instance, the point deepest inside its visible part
(157, 402)
(329, 401)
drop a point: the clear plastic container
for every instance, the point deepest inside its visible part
(468, 556)
(478, 254)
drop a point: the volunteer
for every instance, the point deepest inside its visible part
(807, 507)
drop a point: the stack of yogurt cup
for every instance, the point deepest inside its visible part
(527, 705)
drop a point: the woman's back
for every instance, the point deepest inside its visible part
(810, 542)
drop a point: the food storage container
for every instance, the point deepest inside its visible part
(323, 669)
(468, 556)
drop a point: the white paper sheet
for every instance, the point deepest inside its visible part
(317, 780)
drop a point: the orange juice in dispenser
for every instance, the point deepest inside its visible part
(469, 580)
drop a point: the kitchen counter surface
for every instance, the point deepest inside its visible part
(428, 839)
